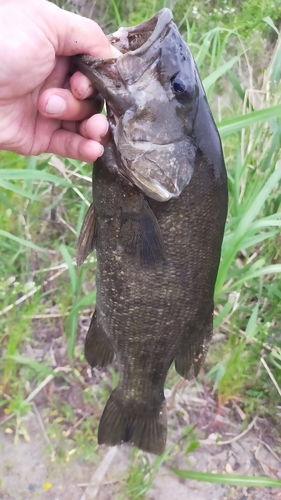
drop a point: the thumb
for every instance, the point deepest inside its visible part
(75, 34)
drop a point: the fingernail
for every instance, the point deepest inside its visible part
(101, 150)
(105, 130)
(55, 105)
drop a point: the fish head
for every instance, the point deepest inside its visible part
(153, 93)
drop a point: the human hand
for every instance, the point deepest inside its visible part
(41, 108)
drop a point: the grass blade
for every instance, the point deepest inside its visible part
(71, 269)
(18, 190)
(272, 269)
(34, 175)
(35, 365)
(242, 229)
(234, 125)
(23, 242)
(116, 12)
(5, 201)
(270, 23)
(236, 85)
(252, 323)
(256, 481)
(88, 300)
(213, 77)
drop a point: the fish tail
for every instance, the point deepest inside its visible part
(121, 422)
(98, 348)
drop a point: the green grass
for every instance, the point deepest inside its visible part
(45, 300)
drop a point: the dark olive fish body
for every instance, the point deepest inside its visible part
(157, 260)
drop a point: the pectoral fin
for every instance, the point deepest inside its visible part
(87, 238)
(140, 235)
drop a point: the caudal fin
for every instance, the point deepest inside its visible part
(122, 423)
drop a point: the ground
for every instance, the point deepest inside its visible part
(28, 472)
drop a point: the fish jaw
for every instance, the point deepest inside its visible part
(111, 76)
(157, 151)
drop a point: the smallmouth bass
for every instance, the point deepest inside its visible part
(156, 221)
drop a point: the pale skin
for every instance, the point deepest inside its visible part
(42, 109)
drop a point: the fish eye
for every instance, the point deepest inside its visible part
(182, 86)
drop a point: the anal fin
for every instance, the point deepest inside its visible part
(141, 235)
(98, 348)
(122, 422)
(87, 238)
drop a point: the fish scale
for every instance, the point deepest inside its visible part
(158, 246)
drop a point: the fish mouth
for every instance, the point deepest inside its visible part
(138, 39)
(141, 44)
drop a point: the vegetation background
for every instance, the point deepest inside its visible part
(46, 302)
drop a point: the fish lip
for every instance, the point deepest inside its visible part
(162, 18)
